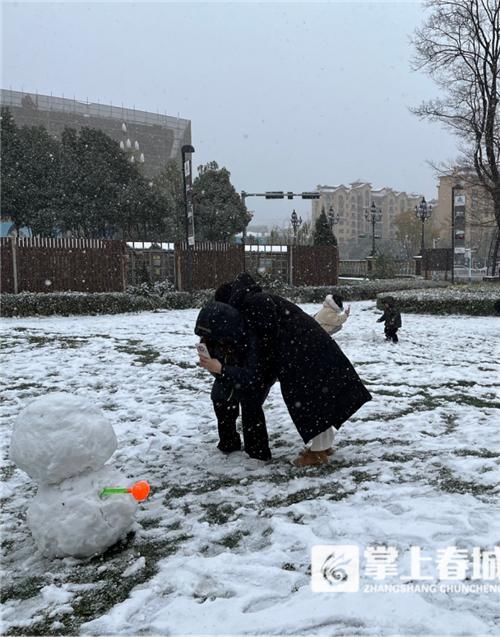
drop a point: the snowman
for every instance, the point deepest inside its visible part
(63, 442)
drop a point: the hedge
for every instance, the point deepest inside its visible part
(471, 300)
(76, 303)
(143, 298)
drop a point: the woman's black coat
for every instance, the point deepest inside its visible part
(318, 383)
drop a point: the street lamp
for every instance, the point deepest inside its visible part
(296, 223)
(188, 210)
(131, 150)
(423, 211)
(373, 214)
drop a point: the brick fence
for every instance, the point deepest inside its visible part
(60, 265)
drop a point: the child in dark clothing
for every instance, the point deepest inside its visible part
(392, 319)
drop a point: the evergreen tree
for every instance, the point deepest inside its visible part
(98, 184)
(322, 235)
(82, 184)
(12, 155)
(219, 211)
(30, 171)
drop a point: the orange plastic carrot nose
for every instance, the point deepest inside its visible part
(140, 490)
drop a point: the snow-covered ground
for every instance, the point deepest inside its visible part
(222, 546)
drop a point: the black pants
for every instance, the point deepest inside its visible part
(253, 422)
(391, 334)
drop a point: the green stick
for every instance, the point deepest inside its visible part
(111, 490)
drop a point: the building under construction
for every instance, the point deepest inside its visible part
(150, 139)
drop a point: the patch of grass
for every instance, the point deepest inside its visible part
(402, 457)
(143, 355)
(447, 481)
(112, 587)
(460, 383)
(329, 491)
(384, 441)
(66, 342)
(387, 392)
(480, 453)
(11, 343)
(290, 475)
(7, 545)
(454, 485)
(7, 471)
(181, 383)
(287, 566)
(24, 386)
(474, 401)
(23, 588)
(232, 540)
(150, 523)
(394, 415)
(216, 513)
(362, 476)
(181, 364)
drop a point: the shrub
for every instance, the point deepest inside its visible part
(472, 300)
(146, 297)
(159, 288)
(78, 303)
(384, 267)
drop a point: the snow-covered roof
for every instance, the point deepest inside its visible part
(147, 245)
(8, 229)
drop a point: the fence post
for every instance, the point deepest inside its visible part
(13, 242)
(178, 270)
(290, 265)
(123, 263)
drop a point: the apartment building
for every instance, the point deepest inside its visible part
(349, 204)
(480, 223)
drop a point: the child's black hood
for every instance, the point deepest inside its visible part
(219, 322)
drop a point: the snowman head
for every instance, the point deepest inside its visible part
(60, 435)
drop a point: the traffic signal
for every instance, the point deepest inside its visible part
(310, 195)
(275, 194)
(289, 195)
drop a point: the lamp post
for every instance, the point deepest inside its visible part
(423, 211)
(188, 208)
(333, 218)
(373, 214)
(248, 217)
(296, 222)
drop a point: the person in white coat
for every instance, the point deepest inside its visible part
(332, 316)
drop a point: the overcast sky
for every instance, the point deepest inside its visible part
(285, 95)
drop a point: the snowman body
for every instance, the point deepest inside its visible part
(63, 442)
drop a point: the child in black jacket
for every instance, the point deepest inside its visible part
(392, 319)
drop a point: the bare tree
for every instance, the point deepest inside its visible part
(459, 47)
